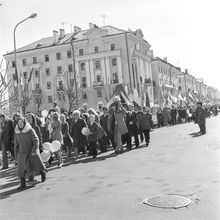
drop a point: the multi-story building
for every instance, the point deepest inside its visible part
(202, 89)
(87, 63)
(165, 81)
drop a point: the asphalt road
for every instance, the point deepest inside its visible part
(113, 187)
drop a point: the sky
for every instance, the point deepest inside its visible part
(187, 32)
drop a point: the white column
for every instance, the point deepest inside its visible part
(108, 72)
(91, 71)
(103, 71)
(88, 77)
(119, 65)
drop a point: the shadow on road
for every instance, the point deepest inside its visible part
(196, 134)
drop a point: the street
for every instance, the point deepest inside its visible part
(114, 187)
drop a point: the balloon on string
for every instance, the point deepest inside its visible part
(85, 131)
(44, 113)
(55, 146)
(45, 155)
(47, 146)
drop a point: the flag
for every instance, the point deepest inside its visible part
(3, 80)
(29, 79)
(147, 100)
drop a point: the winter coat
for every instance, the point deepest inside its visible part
(56, 134)
(7, 136)
(27, 143)
(132, 122)
(145, 121)
(66, 135)
(45, 134)
(200, 116)
(94, 132)
(104, 122)
(79, 139)
(120, 125)
(38, 132)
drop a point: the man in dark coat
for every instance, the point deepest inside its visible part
(79, 140)
(201, 118)
(173, 115)
(6, 139)
(132, 125)
(104, 120)
(145, 124)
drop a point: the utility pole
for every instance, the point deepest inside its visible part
(63, 25)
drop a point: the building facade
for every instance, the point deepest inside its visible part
(87, 64)
(165, 81)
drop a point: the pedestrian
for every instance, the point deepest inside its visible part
(79, 140)
(201, 118)
(93, 136)
(6, 139)
(145, 124)
(67, 140)
(173, 115)
(57, 136)
(27, 152)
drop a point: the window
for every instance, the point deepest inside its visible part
(58, 55)
(98, 78)
(59, 69)
(37, 86)
(24, 62)
(71, 82)
(84, 95)
(114, 62)
(141, 79)
(96, 49)
(60, 85)
(47, 72)
(115, 78)
(48, 85)
(112, 46)
(69, 54)
(50, 99)
(37, 73)
(46, 57)
(34, 60)
(83, 80)
(13, 64)
(80, 52)
(99, 92)
(82, 66)
(70, 68)
(25, 75)
(64, 97)
(26, 87)
(97, 64)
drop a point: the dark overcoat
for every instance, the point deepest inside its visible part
(67, 140)
(94, 132)
(132, 123)
(145, 121)
(79, 139)
(8, 134)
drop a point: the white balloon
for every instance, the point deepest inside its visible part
(47, 146)
(45, 155)
(44, 113)
(55, 146)
(85, 131)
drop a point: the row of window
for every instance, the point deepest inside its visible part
(62, 97)
(59, 57)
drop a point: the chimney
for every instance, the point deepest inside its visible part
(55, 35)
(165, 59)
(91, 25)
(76, 29)
(62, 33)
(186, 71)
(178, 68)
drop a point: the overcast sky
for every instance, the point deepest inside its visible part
(187, 32)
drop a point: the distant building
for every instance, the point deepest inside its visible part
(87, 62)
(165, 81)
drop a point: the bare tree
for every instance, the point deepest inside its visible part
(71, 88)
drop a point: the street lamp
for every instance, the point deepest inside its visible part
(16, 70)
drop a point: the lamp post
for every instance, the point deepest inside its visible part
(16, 70)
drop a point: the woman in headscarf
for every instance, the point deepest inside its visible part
(32, 121)
(57, 136)
(27, 152)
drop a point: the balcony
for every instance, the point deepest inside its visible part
(147, 81)
(98, 83)
(60, 89)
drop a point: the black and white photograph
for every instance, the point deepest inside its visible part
(109, 110)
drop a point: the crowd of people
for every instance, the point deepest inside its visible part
(24, 136)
